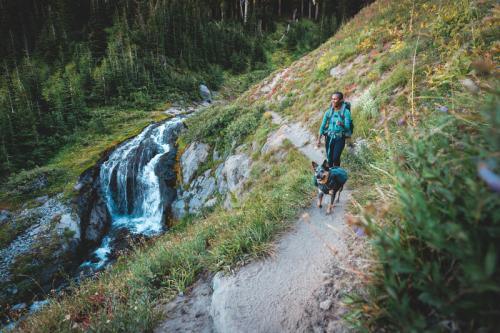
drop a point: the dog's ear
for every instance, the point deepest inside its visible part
(325, 165)
(314, 165)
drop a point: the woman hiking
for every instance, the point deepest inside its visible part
(336, 127)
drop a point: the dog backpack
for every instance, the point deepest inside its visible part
(339, 175)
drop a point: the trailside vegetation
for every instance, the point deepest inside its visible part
(423, 79)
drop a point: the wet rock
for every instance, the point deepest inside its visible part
(5, 215)
(42, 199)
(19, 307)
(94, 215)
(194, 155)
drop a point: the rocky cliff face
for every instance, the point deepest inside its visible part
(221, 183)
(56, 235)
(36, 259)
(94, 215)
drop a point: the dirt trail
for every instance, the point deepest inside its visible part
(295, 290)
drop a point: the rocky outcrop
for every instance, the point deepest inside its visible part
(194, 155)
(235, 171)
(94, 215)
(226, 180)
(37, 256)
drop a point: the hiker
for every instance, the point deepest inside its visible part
(336, 127)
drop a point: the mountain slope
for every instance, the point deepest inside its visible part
(422, 78)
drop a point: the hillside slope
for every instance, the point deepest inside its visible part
(425, 94)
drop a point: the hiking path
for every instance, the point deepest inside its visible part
(297, 289)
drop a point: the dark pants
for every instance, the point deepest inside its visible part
(334, 147)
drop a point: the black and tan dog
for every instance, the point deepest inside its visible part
(329, 181)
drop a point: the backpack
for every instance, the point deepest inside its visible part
(350, 130)
(338, 175)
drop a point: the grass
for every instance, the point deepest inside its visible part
(125, 296)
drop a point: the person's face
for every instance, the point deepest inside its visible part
(336, 100)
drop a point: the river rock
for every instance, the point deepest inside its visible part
(94, 215)
(194, 155)
(4, 216)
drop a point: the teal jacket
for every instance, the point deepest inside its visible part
(336, 123)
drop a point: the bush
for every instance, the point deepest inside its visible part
(367, 104)
(32, 181)
(439, 250)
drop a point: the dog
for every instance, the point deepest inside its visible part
(329, 181)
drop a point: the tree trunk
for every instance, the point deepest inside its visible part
(310, 5)
(301, 8)
(279, 7)
(317, 10)
(246, 12)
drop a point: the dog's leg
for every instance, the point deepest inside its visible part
(332, 199)
(320, 198)
(340, 190)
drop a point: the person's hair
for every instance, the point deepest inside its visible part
(338, 93)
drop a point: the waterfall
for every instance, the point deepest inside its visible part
(138, 183)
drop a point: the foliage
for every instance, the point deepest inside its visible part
(224, 127)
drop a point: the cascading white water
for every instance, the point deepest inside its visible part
(132, 187)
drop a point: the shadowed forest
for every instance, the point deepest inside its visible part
(62, 57)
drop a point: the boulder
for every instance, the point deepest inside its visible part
(4, 216)
(204, 188)
(194, 155)
(95, 218)
(236, 170)
(178, 208)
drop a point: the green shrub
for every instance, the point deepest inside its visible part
(439, 249)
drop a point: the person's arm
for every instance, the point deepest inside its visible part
(322, 128)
